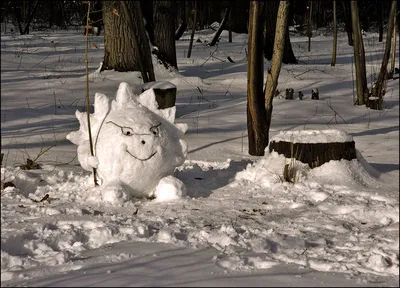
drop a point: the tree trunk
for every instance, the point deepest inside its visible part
(269, 35)
(276, 62)
(193, 29)
(4, 11)
(347, 21)
(393, 60)
(309, 25)
(239, 16)
(119, 48)
(31, 13)
(222, 25)
(380, 21)
(147, 11)
(383, 72)
(184, 21)
(124, 46)
(359, 55)
(256, 114)
(333, 63)
(17, 14)
(164, 31)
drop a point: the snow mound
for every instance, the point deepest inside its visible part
(268, 171)
(313, 136)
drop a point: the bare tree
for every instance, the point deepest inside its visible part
(256, 114)
(276, 63)
(333, 63)
(309, 25)
(383, 72)
(193, 29)
(393, 60)
(359, 55)
(380, 21)
(347, 21)
(222, 25)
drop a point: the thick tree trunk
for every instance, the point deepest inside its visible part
(359, 55)
(222, 25)
(276, 62)
(256, 114)
(119, 48)
(239, 16)
(347, 21)
(333, 63)
(164, 31)
(269, 35)
(147, 11)
(193, 29)
(383, 72)
(126, 47)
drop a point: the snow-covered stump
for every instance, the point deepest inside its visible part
(165, 93)
(374, 102)
(314, 147)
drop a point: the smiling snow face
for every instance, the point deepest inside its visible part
(136, 146)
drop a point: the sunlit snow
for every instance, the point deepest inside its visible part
(219, 218)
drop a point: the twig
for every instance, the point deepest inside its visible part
(87, 92)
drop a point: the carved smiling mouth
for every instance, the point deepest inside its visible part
(145, 159)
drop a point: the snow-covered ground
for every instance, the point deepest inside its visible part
(240, 224)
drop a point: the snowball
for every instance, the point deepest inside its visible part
(93, 161)
(169, 188)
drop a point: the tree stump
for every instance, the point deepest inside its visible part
(165, 93)
(289, 94)
(315, 94)
(314, 147)
(374, 102)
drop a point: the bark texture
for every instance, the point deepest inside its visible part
(276, 62)
(315, 154)
(164, 31)
(383, 72)
(119, 48)
(333, 62)
(256, 114)
(359, 54)
(126, 46)
(269, 34)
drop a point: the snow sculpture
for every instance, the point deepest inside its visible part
(135, 145)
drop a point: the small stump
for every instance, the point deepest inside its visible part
(314, 147)
(375, 103)
(289, 94)
(165, 93)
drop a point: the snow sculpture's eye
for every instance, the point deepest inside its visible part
(127, 131)
(154, 130)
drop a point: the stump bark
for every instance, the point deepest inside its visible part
(165, 93)
(315, 154)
